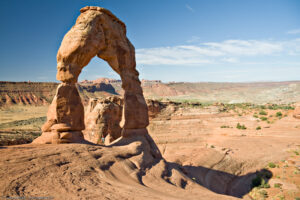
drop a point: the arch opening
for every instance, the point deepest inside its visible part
(97, 32)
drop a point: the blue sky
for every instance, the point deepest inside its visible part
(175, 40)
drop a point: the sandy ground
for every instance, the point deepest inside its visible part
(205, 157)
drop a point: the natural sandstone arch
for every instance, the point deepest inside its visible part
(97, 32)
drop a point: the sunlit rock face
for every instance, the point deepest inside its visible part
(97, 32)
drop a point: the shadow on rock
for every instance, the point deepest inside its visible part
(225, 183)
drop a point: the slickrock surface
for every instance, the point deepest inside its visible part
(80, 171)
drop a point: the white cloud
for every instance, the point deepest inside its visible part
(228, 51)
(189, 8)
(295, 31)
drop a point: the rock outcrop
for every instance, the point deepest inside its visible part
(102, 119)
(65, 117)
(97, 32)
(296, 113)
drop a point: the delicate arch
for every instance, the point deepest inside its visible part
(98, 32)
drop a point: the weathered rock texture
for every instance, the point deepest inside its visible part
(102, 119)
(65, 117)
(296, 113)
(96, 32)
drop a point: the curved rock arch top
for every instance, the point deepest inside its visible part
(97, 32)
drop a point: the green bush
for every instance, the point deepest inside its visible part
(224, 126)
(271, 165)
(255, 116)
(239, 126)
(262, 112)
(263, 118)
(258, 128)
(278, 114)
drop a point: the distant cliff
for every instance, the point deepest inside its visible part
(40, 93)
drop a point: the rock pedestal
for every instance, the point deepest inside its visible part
(65, 117)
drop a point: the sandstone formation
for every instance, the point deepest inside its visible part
(96, 32)
(102, 119)
(104, 115)
(154, 107)
(65, 117)
(296, 113)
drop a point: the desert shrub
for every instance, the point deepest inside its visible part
(278, 114)
(263, 118)
(262, 107)
(283, 107)
(262, 112)
(297, 198)
(255, 116)
(239, 126)
(271, 165)
(277, 185)
(258, 128)
(224, 126)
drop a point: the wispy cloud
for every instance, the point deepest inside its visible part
(294, 31)
(189, 8)
(193, 39)
(228, 51)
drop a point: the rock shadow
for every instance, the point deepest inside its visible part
(225, 183)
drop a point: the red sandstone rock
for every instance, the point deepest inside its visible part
(97, 32)
(102, 119)
(66, 113)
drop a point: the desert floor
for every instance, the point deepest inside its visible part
(210, 152)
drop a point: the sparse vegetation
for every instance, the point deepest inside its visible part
(242, 127)
(258, 128)
(262, 112)
(224, 126)
(263, 118)
(278, 114)
(271, 165)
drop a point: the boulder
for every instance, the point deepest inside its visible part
(102, 119)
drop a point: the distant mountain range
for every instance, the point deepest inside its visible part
(41, 93)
